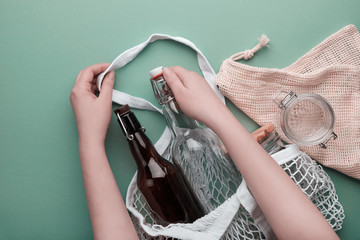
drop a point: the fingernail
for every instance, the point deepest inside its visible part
(111, 75)
(165, 71)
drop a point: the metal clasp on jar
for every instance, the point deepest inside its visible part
(288, 97)
(332, 136)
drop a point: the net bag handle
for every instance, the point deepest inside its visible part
(140, 103)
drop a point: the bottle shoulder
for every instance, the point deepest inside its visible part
(202, 134)
(157, 167)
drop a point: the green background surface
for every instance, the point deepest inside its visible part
(43, 46)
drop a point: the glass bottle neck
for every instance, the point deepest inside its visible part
(140, 145)
(175, 118)
(272, 143)
(142, 149)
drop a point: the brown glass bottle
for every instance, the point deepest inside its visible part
(166, 191)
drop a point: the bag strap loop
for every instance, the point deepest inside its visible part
(128, 55)
(123, 98)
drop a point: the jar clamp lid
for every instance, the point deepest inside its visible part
(306, 119)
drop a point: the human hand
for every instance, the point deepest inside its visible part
(92, 113)
(193, 94)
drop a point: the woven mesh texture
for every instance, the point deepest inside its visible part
(201, 157)
(331, 69)
(242, 227)
(306, 119)
(304, 171)
(317, 185)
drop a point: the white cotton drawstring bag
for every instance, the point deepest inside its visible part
(331, 70)
(238, 217)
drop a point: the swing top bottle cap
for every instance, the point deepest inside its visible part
(161, 89)
(156, 72)
(122, 110)
(128, 121)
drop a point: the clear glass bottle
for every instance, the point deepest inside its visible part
(170, 198)
(272, 143)
(196, 150)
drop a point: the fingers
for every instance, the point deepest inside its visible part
(173, 80)
(188, 78)
(79, 76)
(107, 85)
(94, 88)
(87, 75)
(182, 73)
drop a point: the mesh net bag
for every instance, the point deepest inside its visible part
(331, 70)
(239, 217)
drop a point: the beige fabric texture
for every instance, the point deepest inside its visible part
(331, 69)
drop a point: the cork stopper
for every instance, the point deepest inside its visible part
(263, 132)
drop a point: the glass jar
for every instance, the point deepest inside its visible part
(306, 119)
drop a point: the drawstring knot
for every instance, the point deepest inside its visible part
(248, 54)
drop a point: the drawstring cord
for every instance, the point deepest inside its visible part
(248, 54)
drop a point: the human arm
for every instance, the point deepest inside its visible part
(108, 214)
(288, 210)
